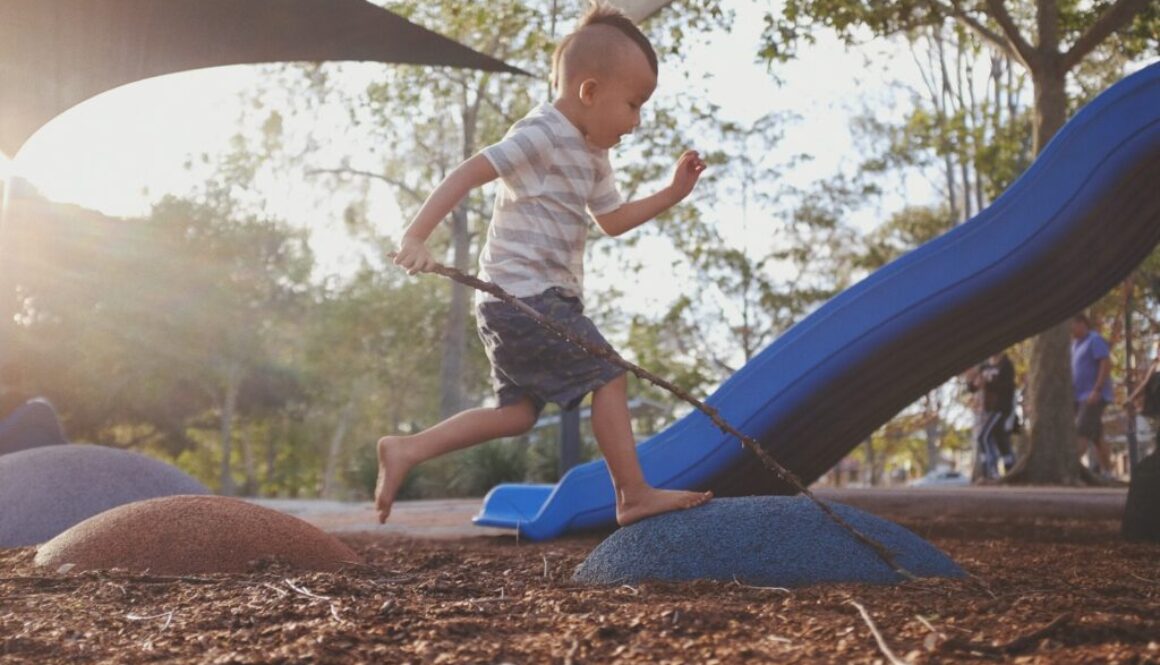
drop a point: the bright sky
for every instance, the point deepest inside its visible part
(121, 151)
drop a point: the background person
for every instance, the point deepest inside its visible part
(996, 379)
(1091, 368)
(1146, 396)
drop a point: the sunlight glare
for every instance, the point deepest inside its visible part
(7, 174)
(7, 169)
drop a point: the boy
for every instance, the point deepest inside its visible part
(554, 169)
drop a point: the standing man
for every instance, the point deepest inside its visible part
(1091, 369)
(996, 378)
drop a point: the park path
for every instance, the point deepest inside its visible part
(451, 518)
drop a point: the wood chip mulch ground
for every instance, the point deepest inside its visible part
(1041, 592)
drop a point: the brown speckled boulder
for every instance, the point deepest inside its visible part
(180, 535)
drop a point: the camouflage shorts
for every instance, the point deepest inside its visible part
(528, 360)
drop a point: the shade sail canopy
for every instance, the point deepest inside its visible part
(639, 10)
(55, 54)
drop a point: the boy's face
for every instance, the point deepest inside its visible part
(613, 102)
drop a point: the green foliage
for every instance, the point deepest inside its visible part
(487, 465)
(855, 20)
(742, 291)
(905, 230)
(134, 321)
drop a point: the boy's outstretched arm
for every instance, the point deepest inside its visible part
(413, 255)
(631, 215)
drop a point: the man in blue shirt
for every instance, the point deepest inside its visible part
(1091, 367)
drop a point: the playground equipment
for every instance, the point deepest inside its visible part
(31, 425)
(748, 539)
(1070, 228)
(45, 490)
(58, 53)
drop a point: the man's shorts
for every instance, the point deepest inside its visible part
(528, 360)
(1089, 419)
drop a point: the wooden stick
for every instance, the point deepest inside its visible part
(882, 646)
(609, 354)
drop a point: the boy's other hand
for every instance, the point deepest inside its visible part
(687, 172)
(413, 256)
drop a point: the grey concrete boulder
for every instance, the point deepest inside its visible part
(183, 535)
(768, 541)
(45, 490)
(31, 425)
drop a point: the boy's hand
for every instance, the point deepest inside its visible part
(413, 256)
(687, 172)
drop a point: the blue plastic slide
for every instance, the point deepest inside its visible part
(1068, 230)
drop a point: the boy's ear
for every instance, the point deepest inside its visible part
(587, 91)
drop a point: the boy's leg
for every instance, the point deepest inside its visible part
(398, 454)
(635, 498)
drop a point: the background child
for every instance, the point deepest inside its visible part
(554, 171)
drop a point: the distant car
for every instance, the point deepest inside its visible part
(942, 478)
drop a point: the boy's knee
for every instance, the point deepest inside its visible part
(523, 417)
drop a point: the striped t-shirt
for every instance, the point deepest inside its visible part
(550, 179)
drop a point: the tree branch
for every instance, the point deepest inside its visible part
(499, 110)
(402, 186)
(986, 34)
(1116, 17)
(1023, 51)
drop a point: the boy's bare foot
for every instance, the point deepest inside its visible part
(652, 501)
(393, 468)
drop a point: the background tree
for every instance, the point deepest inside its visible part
(145, 331)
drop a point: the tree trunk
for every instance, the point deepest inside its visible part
(933, 431)
(249, 467)
(282, 434)
(1051, 456)
(871, 461)
(9, 257)
(228, 407)
(334, 450)
(455, 332)
(941, 106)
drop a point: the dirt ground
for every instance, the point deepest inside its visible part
(1047, 591)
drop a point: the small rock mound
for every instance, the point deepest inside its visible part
(183, 535)
(31, 425)
(768, 541)
(45, 490)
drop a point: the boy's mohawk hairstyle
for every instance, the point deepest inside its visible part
(602, 13)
